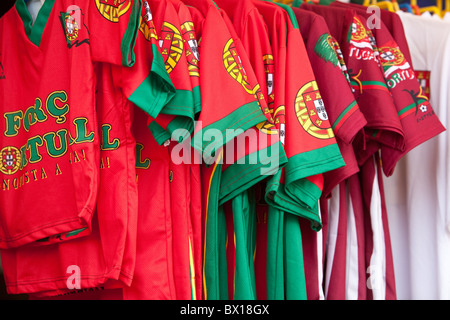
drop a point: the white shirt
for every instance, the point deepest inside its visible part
(417, 193)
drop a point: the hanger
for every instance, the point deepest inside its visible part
(391, 5)
(406, 6)
(415, 8)
(42, 1)
(437, 9)
(432, 9)
(384, 5)
(396, 5)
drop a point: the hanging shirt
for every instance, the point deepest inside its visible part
(226, 113)
(423, 257)
(188, 174)
(290, 191)
(176, 121)
(24, 148)
(247, 163)
(371, 90)
(328, 63)
(345, 245)
(417, 116)
(153, 274)
(346, 119)
(250, 34)
(104, 260)
(299, 95)
(250, 27)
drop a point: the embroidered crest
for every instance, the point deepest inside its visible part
(111, 10)
(10, 160)
(311, 112)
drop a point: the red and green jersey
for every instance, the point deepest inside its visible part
(103, 256)
(370, 88)
(347, 121)
(233, 107)
(301, 179)
(418, 119)
(153, 274)
(229, 108)
(246, 163)
(331, 73)
(192, 171)
(185, 184)
(190, 39)
(52, 123)
(285, 39)
(116, 208)
(265, 148)
(179, 113)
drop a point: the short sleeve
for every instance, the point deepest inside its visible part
(147, 83)
(113, 27)
(229, 103)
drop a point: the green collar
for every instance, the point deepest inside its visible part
(34, 31)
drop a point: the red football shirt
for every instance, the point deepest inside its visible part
(188, 175)
(418, 119)
(346, 119)
(98, 258)
(250, 33)
(370, 86)
(345, 116)
(226, 112)
(300, 97)
(179, 113)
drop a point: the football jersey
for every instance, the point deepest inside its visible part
(292, 97)
(407, 95)
(246, 163)
(190, 39)
(370, 88)
(293, 193)
(179, 112)
(117, 200)
(104, 255)
(346, 118)
(230, 111)
(24, 148)
(153, 275)
(401, 79)
(156, 246)
(250, 27)
(249, 166)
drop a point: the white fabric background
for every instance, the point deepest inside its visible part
(417, 195)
